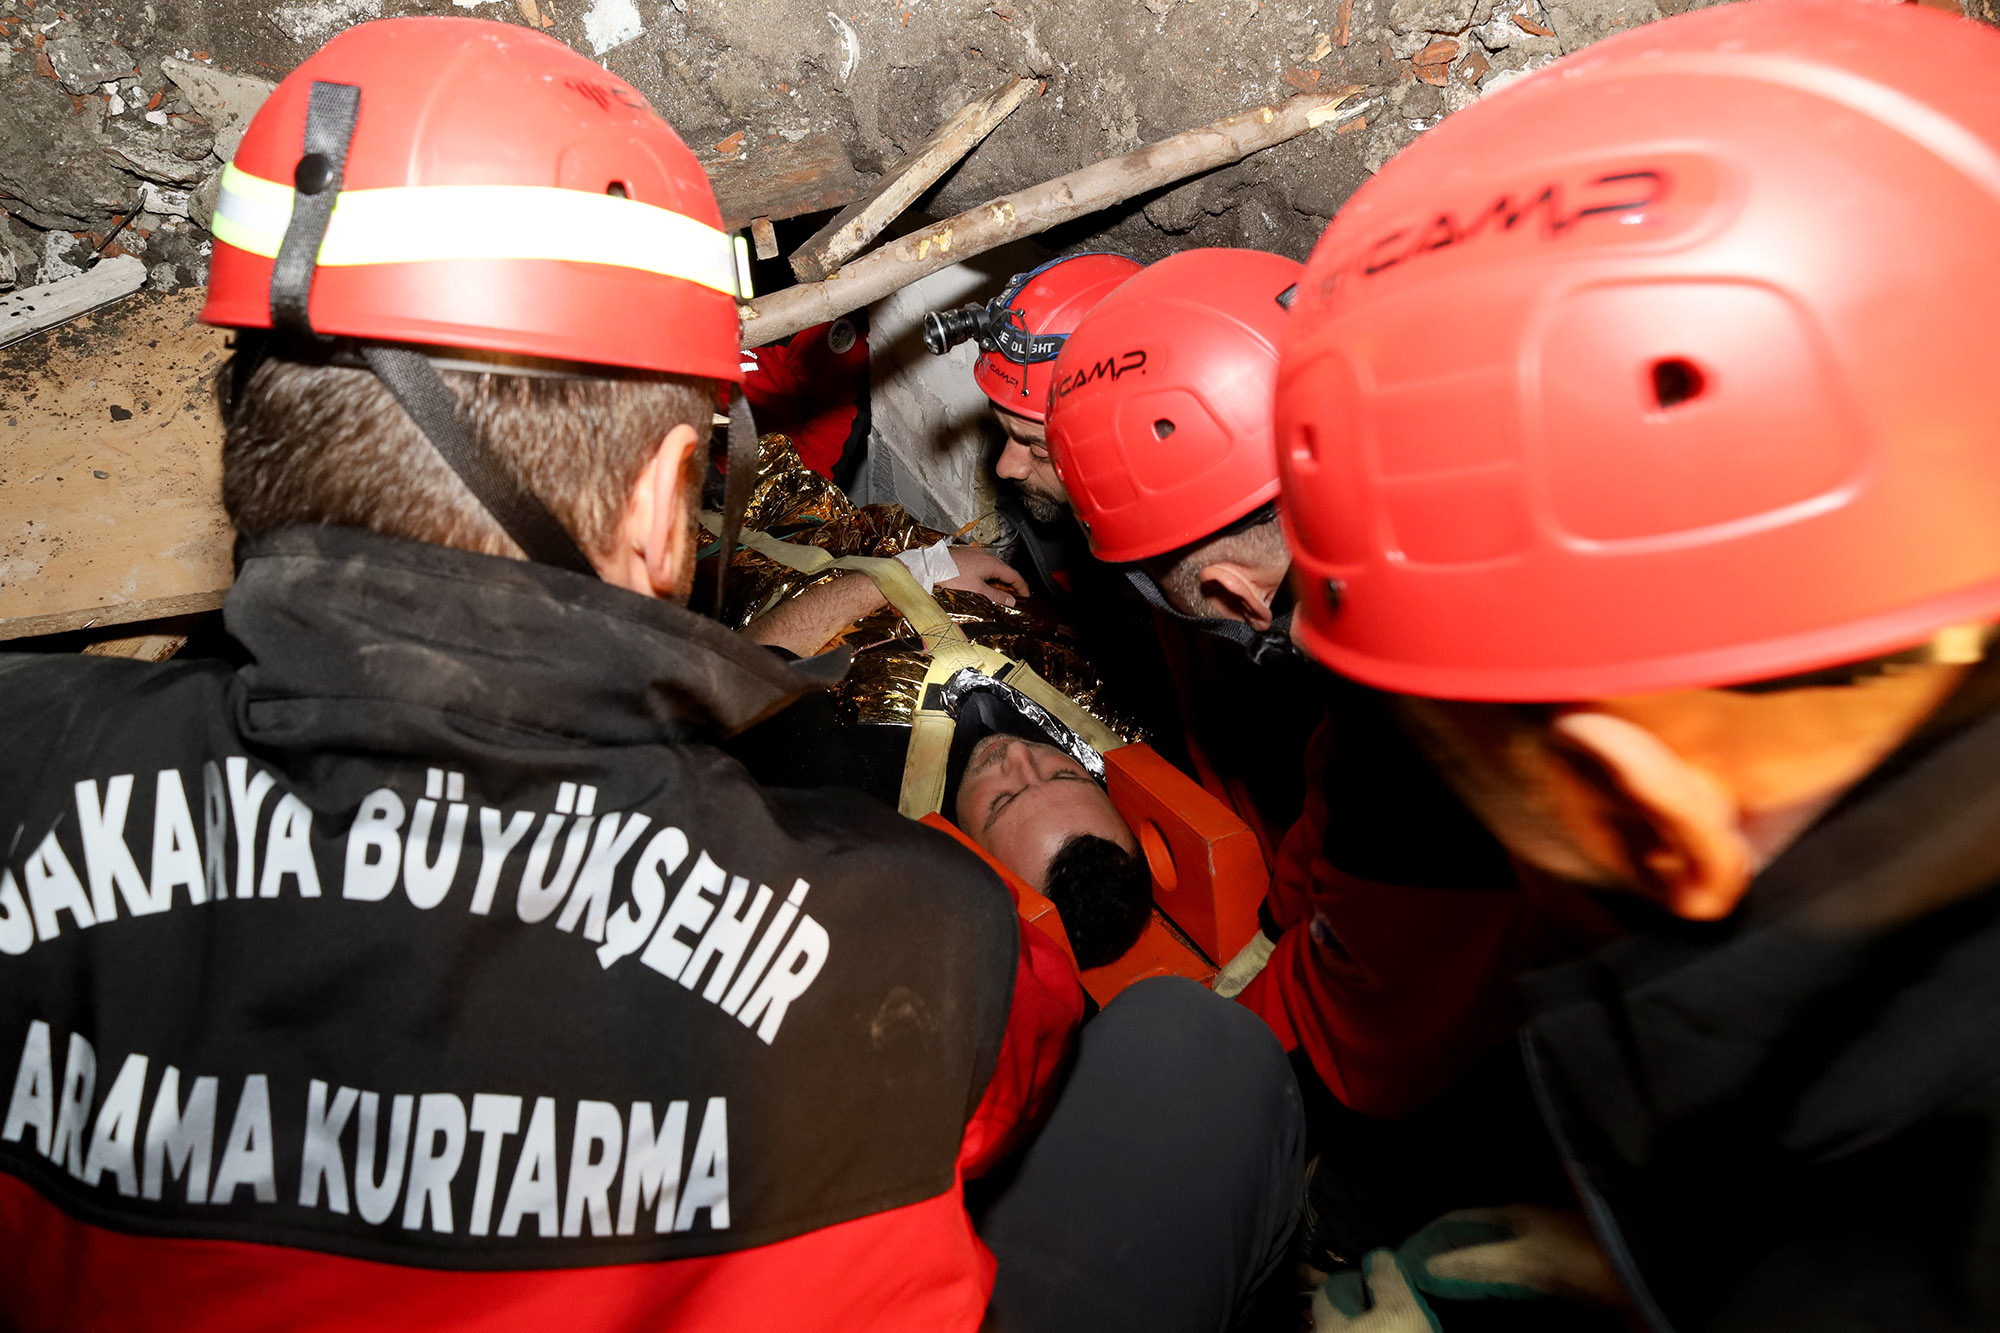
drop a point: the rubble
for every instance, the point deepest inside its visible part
(82, 64)
(130, 112)
(79, 292)
(226, 101)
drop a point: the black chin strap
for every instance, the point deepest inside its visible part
(331, 113)
(434, 407)
(1263, 647)
(736, 486)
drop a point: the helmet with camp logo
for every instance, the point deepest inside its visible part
(1160, 416)
(1669, 366)
(480, 185)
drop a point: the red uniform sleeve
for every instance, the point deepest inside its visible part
(1290, 897)
(1047, 1009)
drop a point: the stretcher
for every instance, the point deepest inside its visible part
(1208, 871)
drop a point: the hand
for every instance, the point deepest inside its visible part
(1524, 1252)
(980, 571)
(1376, 1298)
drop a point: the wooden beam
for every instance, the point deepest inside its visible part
(778, 180)
(161, 640)
(863, 220)
(111, 480)
(112, 613)
(1038, 208)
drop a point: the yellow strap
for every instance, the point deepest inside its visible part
(931, 729)
(929, 750)
(415, 224)
(893, 577)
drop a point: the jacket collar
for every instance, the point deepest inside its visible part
(1695, 1069)
(341, 613)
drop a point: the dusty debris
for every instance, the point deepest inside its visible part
(145, 159)
(33, 309)
(81, 65)
(226, 100)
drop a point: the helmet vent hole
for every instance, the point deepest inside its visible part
(617, 190)
(1162, 428)
(1676, 381)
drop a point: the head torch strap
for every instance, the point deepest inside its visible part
(1018, 345)
(430, 403)
(331, 111)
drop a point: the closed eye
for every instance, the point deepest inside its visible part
(1001, 801)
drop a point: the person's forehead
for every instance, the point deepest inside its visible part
(1018, 426)
(1041, 748)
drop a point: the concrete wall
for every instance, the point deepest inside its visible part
(934, 443)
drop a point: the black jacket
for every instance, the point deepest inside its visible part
(1791, 1120)
(455, 831)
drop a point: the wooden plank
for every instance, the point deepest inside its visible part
(162, 642)
(30, 311)
(863, 220)
(765, 236)
(1040, 207)
(778, 180)
(111, 470)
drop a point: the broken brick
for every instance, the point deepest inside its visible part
(44, 66)
(734, 143)
(1439, 52)
(1344, 23)
(1305, 81)
(1526, 24)
(1358, 123)
(1433, 74)
(1473, 68)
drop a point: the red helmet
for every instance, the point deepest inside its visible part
(1160, 421)
(1670, 366)
(1047, 302)
(499, 192)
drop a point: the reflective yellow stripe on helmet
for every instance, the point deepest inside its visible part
(413, 224)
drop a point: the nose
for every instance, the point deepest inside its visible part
(1018, 758)
(1013, 464)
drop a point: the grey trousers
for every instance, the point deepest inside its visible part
(1163, 1190)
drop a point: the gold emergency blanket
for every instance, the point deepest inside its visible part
(885, 682)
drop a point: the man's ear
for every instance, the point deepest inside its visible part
(1681, 827)
(1235, 590)
(656, 552)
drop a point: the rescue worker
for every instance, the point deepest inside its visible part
(426, 965)
(1681, 560)
(1159, 431)
(1020, 332)
(1393, 930)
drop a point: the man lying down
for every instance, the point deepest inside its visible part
(1018, 781)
